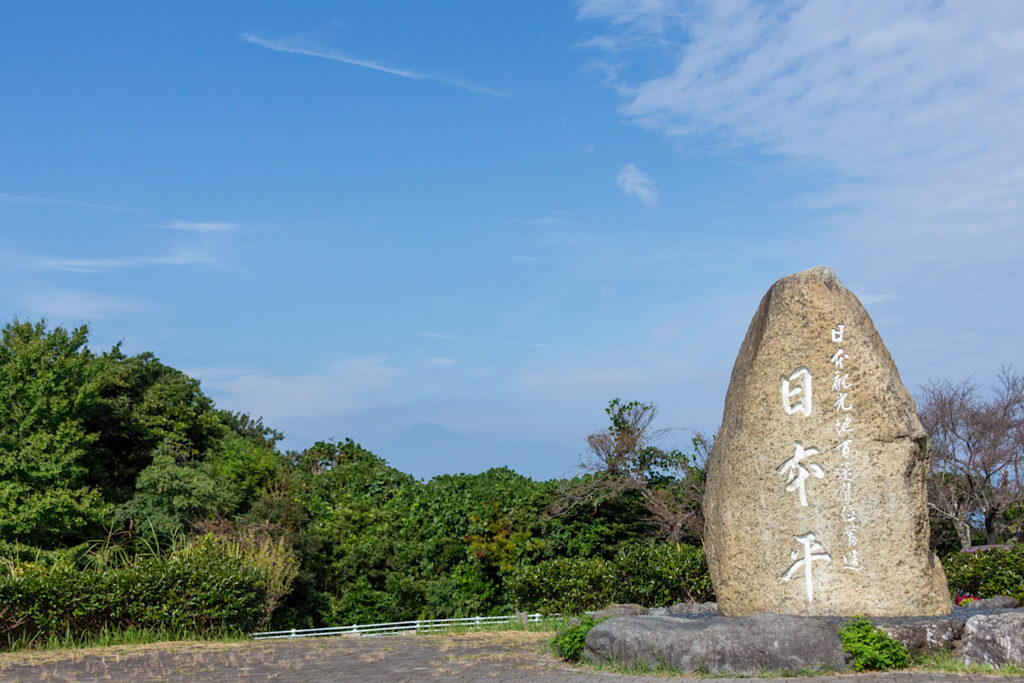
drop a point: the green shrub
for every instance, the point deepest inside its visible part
(651, 575)
(872, 649)
(201, 590)
(564, 584)
(987, 573)
(660, 575)
(569, 642)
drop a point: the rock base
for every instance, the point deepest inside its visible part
(689, 639)
(721, 645)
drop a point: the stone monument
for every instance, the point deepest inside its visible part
(816, 501)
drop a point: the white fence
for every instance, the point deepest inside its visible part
(420, 625)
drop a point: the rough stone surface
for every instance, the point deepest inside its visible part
(994, 639)
(768, 510)
(924, 634)
(761, 642)
(687, 608)
(619, 610)
(1003, 601)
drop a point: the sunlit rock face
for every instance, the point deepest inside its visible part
(816, 500)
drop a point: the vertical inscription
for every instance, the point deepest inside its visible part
(844, 427)
(797, 394)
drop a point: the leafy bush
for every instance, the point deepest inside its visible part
(569, 642)
(659, 575)
(564, 584)
(987, 573)
(655, 576)
(201, 590)
(872, 649)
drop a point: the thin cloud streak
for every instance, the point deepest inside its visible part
(292, 48)
(99, 265)
(199, 226)
(347, 385)
(54, 201)
(77, 305)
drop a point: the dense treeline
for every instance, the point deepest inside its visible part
(110, 461)
(127, 499)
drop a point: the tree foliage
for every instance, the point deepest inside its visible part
(107, 459)
(977, 451)
(625, 459)
(47, 387)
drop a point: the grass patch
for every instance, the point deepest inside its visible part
(544, 625)
(659, 670)
(948, 662)
(107, 637)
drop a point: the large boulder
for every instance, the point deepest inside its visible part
(759, 643)
(994, 639)
(816, 501)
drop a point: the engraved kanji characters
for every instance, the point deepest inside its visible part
(797, 474)
(796, 392)
(813, 552)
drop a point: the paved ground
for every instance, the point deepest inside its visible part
(499, 656)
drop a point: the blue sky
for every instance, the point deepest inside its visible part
(454, 231)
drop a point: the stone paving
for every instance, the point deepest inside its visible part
(497, 656)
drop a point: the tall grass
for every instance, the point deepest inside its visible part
(108, 636)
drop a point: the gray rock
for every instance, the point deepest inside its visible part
(999, 601)
(924, 634)
(658, 611)
(816, 501)
(629, 609)
(681, 609)
(749, 646)
(993, 639)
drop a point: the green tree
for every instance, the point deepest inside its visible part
(47, 388)
(142, 404)
(625, 459)
(172, 493)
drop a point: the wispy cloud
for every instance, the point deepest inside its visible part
(441, 361)
(199, 226)
(346, 385)
(76, 305)
(98, 265)
(6, 198)
(912, 109)
(635, 183)
(295, 46)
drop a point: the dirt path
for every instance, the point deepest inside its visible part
(508, 656)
